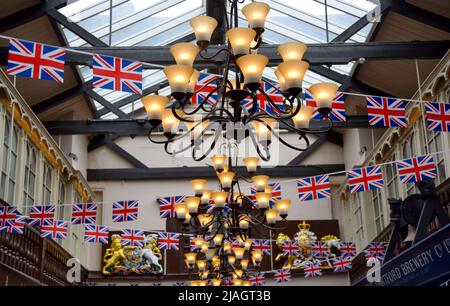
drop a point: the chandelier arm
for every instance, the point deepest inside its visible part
(225, 78)
(211, 147)
(258, 150)
(274, 86)
(201, 105)
(309, 131)
(214, 55)
(272, 104)
(157, 141)
(259, 222)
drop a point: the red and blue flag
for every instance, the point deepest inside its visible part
(313, 188)
(363, 179)
(416, 169)
(118, 74)
(385, 112)
(34, 60)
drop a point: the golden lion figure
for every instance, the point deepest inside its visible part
(113, 255)
(280, 239)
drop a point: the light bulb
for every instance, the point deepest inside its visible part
(220, 198)
(219, 162)
(192, 204)
(303, 117)
(323, 94)
(206, 196)
(251, 163)
(154, 106)
(263, 199)
(271, 216)
(282, 207)
(178, 77)
(184, 53)
(198, 186)
(169, 122)
(292, 51)
(260, 182)
(252, 67)
(256, 14)
(203, 27)
(226, 179)
(293, 73)
(181, 211)
(240, 40)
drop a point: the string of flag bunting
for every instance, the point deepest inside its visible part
(46, 62)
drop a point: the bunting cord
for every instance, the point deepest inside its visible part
(148, 64)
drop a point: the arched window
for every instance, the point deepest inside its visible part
(9, 163)
(29, 184)
(47, 184)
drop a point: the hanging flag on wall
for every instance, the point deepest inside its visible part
(375, 250)
(84, 213)
(40, 214)
(290, 248)
(416, 169)
(125, 211)
(8, 215)
(168, 241)
(438, 116)
(96, 233)
(202, 96)
(262, 245)
(257, 279)
(167, 206)
(55, 229)
(312, 269)
(342, 263)
(16, 226)
(132, 237)
(384, 111)
(313, 188)
(347, 249)
(35, 60)
(320, 249)
(337, 112)
(263, 104)
(118, 74)
(282, 276)
(363, 179)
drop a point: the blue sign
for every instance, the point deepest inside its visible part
(426, 263)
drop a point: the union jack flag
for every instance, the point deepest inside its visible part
(168, 241)
(132, 237)
(55, 229)
(416, 169)
(337, 107)
(290, 248)
(320, 249)
(34, 60)
(312, 269)
(200, 97)
(438, 116)
(181, 284)
(125, 211)
(275, 192)
(84, 213)
(363, 179)
(342, 264)
(257, 279)
(384, 111)
(117, 74)
(348, 249)
(237, 243)
(375, 250)
(96, 233)
(40, 214)
(227, 281)
(313, 188)
(16, 226)
(262, 245)
(263, 104)
(167, 206)
(8, 215)
(282, 275)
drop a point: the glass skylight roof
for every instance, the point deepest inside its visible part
(161, 22)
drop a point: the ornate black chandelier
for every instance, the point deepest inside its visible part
(227, 117)
(221, 221)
